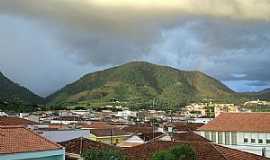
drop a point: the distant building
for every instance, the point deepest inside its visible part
(244, 131)
(75, 147)
(16, 121)
(109, 136)
(3, 114)
(67, 120)
(131, 142)
(126, 114)
(96, 125)
(18, 143)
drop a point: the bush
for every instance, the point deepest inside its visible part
(104, 154)
(163, 155)
(180, 152)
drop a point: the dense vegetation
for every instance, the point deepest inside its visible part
(141, 83)
(180, 152)
(104, 154)
(136, 85)
(14, 97)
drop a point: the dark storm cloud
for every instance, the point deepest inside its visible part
(223, 38)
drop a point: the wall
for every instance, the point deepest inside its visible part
(255, 148)
(45, 155)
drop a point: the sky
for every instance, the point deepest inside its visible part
(45, 45)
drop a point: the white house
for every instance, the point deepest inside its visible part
(248, 132)
(126, 114)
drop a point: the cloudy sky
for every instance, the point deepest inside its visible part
(46, 44)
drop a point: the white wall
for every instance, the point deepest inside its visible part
(255, 148)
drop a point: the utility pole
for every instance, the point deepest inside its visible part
(81, 145)
(111, 136)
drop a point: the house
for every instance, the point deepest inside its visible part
(19, 143)
(183, 126)
(127, 114)
(75, 147)
(131, 142)
(203, 149)
(146, 133)
(16, 121)
(3, 114)
(248, 132)
(109, 136)
(67, 120)
(96, 125)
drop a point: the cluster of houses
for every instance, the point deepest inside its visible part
(208, 109)
(68, 134)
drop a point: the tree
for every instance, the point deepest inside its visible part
(163, 155)
(179, 152)
(104, 154)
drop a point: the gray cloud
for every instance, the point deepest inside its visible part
(221, 38)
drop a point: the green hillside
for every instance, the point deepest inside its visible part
(143, 82)
(11, 92)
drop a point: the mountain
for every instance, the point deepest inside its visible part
(12, 92)
(264, 94)
(140, 82)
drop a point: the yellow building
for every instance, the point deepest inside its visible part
(109, 136)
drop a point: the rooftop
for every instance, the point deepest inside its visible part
(11, 121)
(79, 145)
(108, 132)
(203, 149)
(15, 139)
(239, 122)
(97, 125)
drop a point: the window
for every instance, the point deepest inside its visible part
(253, 140)
(234, 138)
(207, 135)
(227, 138)
(213, 136)
(260, 141)
(268, 141)
(220, 138)
(245, 140)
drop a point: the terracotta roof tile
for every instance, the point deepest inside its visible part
(233, 154)
(19, 139)
(242, 122)
(97, 125)
(11, 121)
(203, 149)
(138, 129)
(80, 145)
(108, 132)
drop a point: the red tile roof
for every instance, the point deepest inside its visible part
(11, 121)
(80, 145)
(233, 154)
(97, 125)
(18, 139)
(241, 122)
(138, 129)
(203, 149)
(108, 132)
(182, 126)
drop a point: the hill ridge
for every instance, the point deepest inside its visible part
(142, 81)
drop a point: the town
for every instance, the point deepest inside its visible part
(214, 131)
(134, 80)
